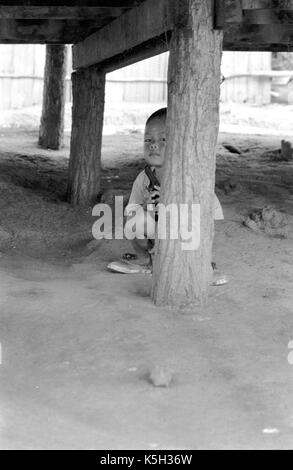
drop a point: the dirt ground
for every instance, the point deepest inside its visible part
(78, 342)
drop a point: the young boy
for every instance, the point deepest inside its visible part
(154, 155)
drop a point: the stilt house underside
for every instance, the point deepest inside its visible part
(109, 34)
(104, 29)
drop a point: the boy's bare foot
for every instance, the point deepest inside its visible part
(132, 258)
(129, 257)
(143, 261)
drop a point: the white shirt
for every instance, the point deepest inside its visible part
(140, 195)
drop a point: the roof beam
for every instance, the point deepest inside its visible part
(267, 16)
(144, 51)
(227, 10)
(244, 37)
(47, 31)
(255, 12)
(233, 10)
(275, 4)
(151, 19)
(119, 43)
(63, 12)
(72, 3)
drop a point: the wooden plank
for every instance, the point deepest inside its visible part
(264, 16)
(227, 11)
(263, 37)
(240, 37)
(73, 3)
(253, 12)
(65, 12)
(151, 19)
(233, 11)
(48, 31)
(256, 4)
(258, 37)
(144, 51)
(254, 47)
(263, 12)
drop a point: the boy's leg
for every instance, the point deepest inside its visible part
(141, 248)
(144, 227)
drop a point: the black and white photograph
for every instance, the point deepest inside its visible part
(146, 227)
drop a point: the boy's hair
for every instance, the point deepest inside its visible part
(161, 113)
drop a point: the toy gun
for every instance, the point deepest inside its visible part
(153, 182)
(152, 177)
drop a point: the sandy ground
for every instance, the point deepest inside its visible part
(78, 342)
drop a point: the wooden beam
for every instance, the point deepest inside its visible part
(144, 51)
(48, 31)
(227, 10)
(65, 12)
(72, 3)
(256, 4)
(266, 16)
(238, 11)
(246, 4)
(238, 36)
(233, 10)
(258, 37)
(254, 47)
(149, 20)
(242, 37)
(262, 16)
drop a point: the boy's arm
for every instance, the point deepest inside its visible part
(137, 196)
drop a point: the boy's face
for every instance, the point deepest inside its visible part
(155, 142)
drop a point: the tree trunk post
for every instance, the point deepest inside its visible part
(181, 278)
(52, 120)
(88, 90)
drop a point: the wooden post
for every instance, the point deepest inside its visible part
(181, 278)
(88, 90)
(52, 120)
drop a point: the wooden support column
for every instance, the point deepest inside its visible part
(181, 278)
(52, 120)
(86, 137)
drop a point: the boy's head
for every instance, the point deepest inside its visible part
(155, 138)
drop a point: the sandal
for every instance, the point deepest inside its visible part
(125, 267)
